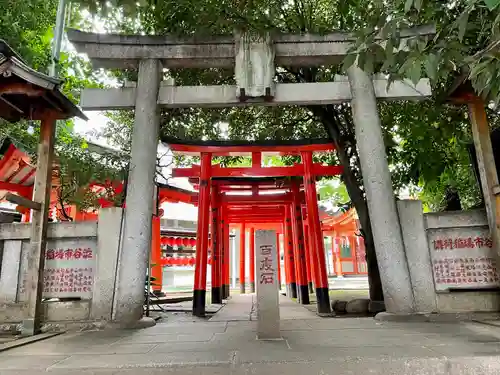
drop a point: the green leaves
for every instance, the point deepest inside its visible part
(431, 66)
(492, 4)
(348, 61)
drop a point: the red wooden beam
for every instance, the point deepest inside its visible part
(266, 199)
(292, 171)
(25, 191)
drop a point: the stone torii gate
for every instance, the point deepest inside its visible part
(254, 60)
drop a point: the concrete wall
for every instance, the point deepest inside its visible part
(95, 303)
(424, 250)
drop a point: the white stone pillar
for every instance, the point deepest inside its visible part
(268, 311)
(108, 242)
(385, 225)
(418, 256)
(10, 264)
(139, 201)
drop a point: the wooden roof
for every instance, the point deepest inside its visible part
(26, 94)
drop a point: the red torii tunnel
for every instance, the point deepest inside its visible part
(258, 196)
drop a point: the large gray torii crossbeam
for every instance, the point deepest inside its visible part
(254, 59)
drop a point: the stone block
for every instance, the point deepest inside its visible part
(108, 243)
(339, 306)
(376, 307)
(268, 312)
(9, 274)
(66, 311)
(357, 306)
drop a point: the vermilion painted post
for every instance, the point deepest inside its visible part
(299, 248)
(216, 248)
(354, 253)
(222, 250)
(252, 259)
(336, 256)
(316, 240)
(227, 257)
(242, 258)
(200, 272)
(285, 259)
(308, 255)
(279, 258)
(156, 267)
(289, 252)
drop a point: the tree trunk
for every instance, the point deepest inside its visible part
(361, 207)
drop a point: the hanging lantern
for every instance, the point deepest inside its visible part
(178, 241)
(185, 242)
(176, 261)
(185, 261)
(163, 241)
(192, 261)
(192, 242)
(170, 241)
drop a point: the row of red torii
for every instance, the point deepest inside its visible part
(258, 196)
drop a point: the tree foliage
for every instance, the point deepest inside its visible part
(28, 28)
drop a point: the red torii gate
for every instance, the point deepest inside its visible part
(218, 189)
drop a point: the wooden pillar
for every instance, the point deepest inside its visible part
(242, 258)
(227, 257)
(156, 267)
(285, 258)
(308, 254)
(38, 238)
(200, 272)
(337, 242)
(316, 239)
(487, 168)
(354, 253)
(216, 289)
(289, 253)
(279, 258)
(252, 259)
(299, 248)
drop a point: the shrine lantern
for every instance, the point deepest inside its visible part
(164, 241)
(170, 241)
(176, 261)
(178, 241)
(192, 242)
(185, 261)
(185, 242)
(192, 261)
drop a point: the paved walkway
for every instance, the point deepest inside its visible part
(226, 345)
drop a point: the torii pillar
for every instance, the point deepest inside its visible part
(140, 189)
(386, 228)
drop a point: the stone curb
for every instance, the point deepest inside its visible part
(436, 317)
(28, 340)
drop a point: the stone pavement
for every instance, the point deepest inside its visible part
(226, 345)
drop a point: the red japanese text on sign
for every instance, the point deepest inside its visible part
(267, 278)
(266, 250)
(266, 264)
(462, 243)
(68, 254)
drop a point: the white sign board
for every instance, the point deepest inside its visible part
(463, 258)
(268, 313)
(69, 269)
